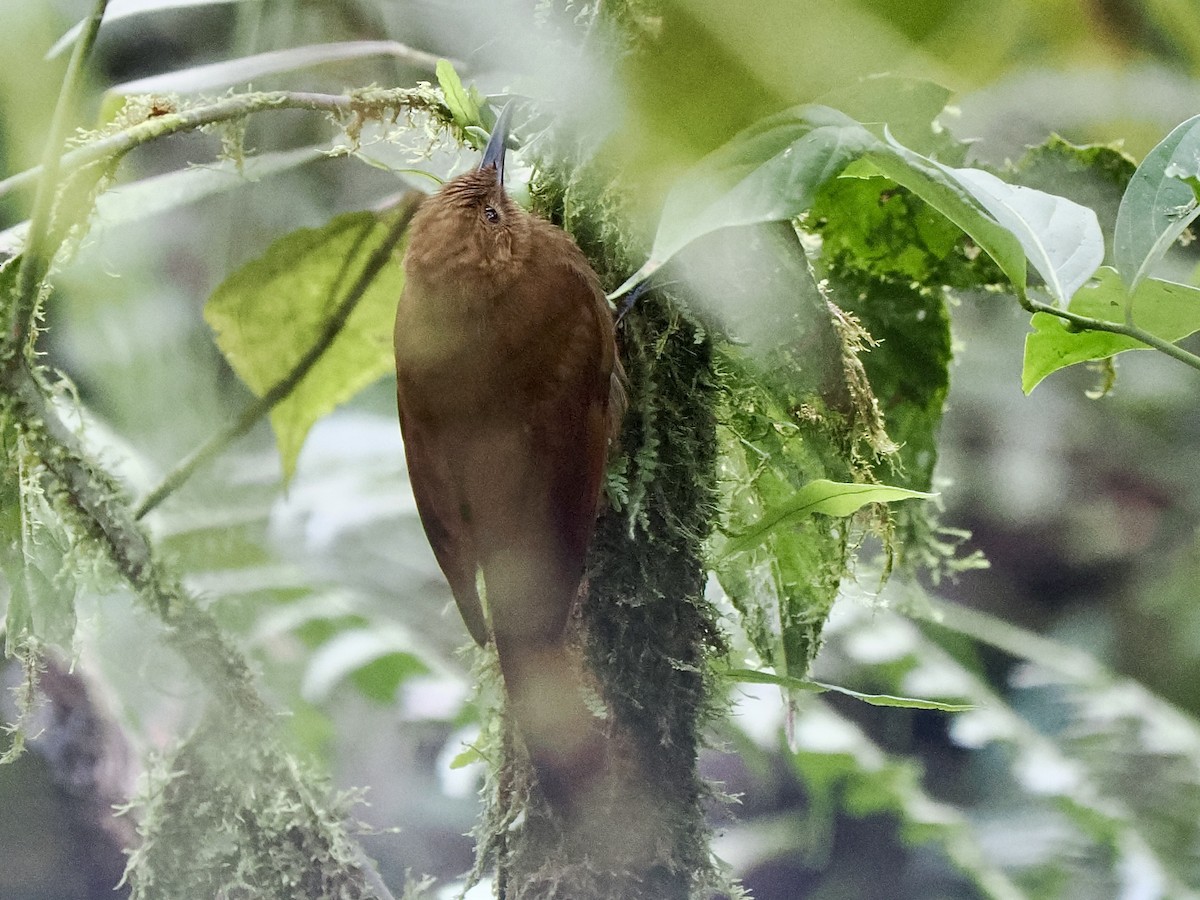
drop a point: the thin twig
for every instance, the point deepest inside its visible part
(1087, 323)
(253, 413)
(38, 252)
(238, 106)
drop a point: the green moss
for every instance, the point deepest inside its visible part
(228, 814)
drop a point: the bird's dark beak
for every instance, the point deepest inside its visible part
(493, 153)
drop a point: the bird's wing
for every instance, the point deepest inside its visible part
(441, 511)
(570, 423)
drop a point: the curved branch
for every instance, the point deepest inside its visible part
(372, 102)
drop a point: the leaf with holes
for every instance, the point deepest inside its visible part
(1011, 223)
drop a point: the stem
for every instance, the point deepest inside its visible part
(1014, 640)
(37, 255)
(235, 107)
(1087, 323)
(215, 445)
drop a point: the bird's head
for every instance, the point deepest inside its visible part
(471, 229)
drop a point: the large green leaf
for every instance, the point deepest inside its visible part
(159, 194)
(1061, 238)
(271, 311)
(768, 173)
(881, 245)
(873, 231)
(783, 587)
(1010, 223)
(830, 498)
(773, 170)
(1093, 175)
(1169, 311)
(1158, 204)
(787, 357)
(929, 182)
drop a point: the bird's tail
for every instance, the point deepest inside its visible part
(547, 696)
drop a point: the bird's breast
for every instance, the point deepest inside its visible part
(526, 345)
(463, 357)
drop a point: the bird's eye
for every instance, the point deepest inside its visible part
(491, 215)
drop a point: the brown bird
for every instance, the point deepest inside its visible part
(509, 392)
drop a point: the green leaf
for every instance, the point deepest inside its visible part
(880, 245)
(1093, 175)
(50, 606)
(1011, 223)
(158, 194)
(909, 372)
(757, 676)
(929, 181)
(466, 757)
(1061, 238)
(40, 605)
(831, 498)
(1158, 204)
(18, 618)
(783, 588)
(271, 311)
(1170, 311)
(163, 193)
(462, 103)
(244, 69)
(894, 701)
(10, 269)
(768, 173)
(870, 227)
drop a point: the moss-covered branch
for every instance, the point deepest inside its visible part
(94, 507)
(360, 105)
